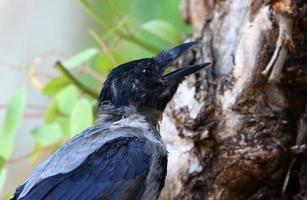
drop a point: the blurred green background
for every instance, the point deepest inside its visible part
(116, 31)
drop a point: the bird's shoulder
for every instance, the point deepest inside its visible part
(72, 154)
(119, 166)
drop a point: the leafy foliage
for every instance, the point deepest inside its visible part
(12, 122)
(81, 58)
(127, 30)
(81, 117)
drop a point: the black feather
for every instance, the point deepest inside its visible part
(107, 94)
(106, 174)
(17, 192)
(165, 58)
(163, 163)
(141, 82)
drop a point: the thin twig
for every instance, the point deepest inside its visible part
(92, 12)
(25, 69)
(34, 115)
(30, 106)
(75, 81)
(118, 14)
(92, 72)
(103, 46)
(29, 154)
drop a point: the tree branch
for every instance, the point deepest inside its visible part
(75, 81)
(92, 12)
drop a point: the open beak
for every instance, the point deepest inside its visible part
(179, 74)
(165, 58)
(174, 78)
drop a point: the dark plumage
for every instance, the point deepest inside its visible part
(92, 179)
(122, 156)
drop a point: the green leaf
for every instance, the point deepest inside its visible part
(12, 121)
(81, 117)
(163, 30)
(80, 58)
(55, 85)
(54, 115)
(47, 134)
(67, 98)
(3, 174)
(37, 153)
(2, 161)
(104, 63)
(52, 112)
(64, 123)
(91, 82)
(8, 196)
(144, 10)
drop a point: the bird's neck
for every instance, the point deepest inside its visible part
(108, 114)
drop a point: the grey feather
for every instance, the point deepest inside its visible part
(73, 153)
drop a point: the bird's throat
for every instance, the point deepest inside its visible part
(108, 114)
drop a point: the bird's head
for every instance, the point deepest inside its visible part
(142, 84)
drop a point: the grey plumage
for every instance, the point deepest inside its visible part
(123, 155)
(72, 154)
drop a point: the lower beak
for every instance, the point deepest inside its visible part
(179, 74)
(174, 78)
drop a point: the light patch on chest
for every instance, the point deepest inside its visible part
(139, 122)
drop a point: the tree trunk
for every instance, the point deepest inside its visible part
(238, 130)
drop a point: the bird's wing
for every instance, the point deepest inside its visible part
(117, 170)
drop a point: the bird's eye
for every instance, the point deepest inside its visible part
(147, 71)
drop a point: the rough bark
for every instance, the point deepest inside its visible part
(238, 130)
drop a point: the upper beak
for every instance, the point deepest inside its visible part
(165, 58)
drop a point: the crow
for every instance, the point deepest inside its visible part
(122, 156)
